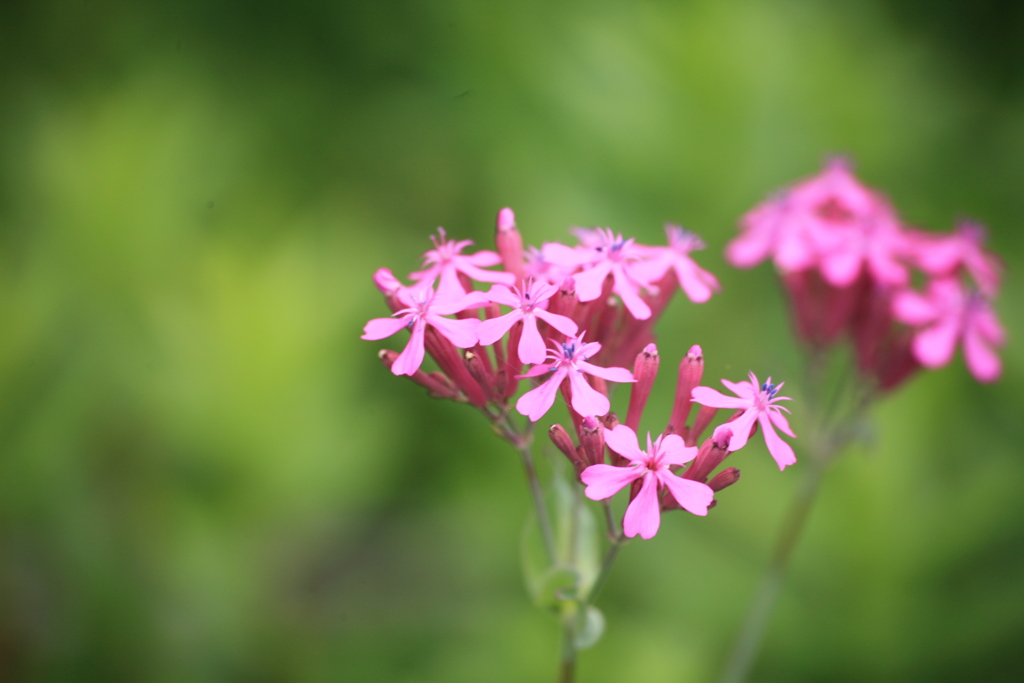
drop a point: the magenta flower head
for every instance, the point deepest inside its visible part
(947, 314)
(943, 255)
(445, 261)
(425, 307)
(527, 305)
(569, 359)
(758, 405)
(643, 516)
(698, 283)
(605, 253)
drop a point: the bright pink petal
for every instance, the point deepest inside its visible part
(842, 267)
(623, 441)
(380, 328)
(604, 481)
(779, 449)
(411, 358)
(741, 429)
(698, 284)
(628, 292)
(500, 294)
(643, 516)
(480, 258)
(692, 496)
(481, 275)
(461, 332)
(586, 400)
(981, 359)
(534, 404)
(531, 346)
(537, 371)
(780, 421)
(564, 325)
(493, 329)
(621, 375)
(443, 306)
(912, 308)
(706, 396)
(590, 282)
(674, 451)
(934, 346)
(448, 286)
(742, 389)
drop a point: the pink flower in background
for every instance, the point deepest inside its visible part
(878, 243)
(445, 261)
(527, 305)
(425, 307)
(570, 360)
(605, 253)
(698, 283)
(941, 255)
(947, 314)
(758, 405)
(643, 516)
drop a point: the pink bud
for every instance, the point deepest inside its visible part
(564, 301)
(645, 369)
(564, 443)
(712, 453)
(724, 479)
(480, 368)
(510, 243)
(388, 285)
(691, 368)
(592, 440)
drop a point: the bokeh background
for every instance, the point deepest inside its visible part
(206, 476)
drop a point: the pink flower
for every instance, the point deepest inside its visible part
(941, 255)
(444, 262)
(605, 253)
(527, 305)
(425, 307)
(948, 313)
(570, 360)
(757, 405)
(643, 516)
(878, 243)
(828, 215)
(698, 283)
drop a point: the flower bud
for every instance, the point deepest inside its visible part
(388, 285)
(592, 440)
(564, 300)
(645, 369)
(481, 371)
(564, 443)
(510, 243)
(691, 368)
(724, 479)
(712, 452)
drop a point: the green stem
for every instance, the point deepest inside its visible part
(567, 668)
(749, 641)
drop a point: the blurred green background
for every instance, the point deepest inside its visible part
(206, 476)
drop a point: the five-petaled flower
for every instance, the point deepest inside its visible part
(569, 359)
(757, 404)
(425, 307)
(698, 283)
(445, 261)
(528, 304)
(643, 516)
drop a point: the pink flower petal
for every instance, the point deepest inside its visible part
(742, 389)
(643, 516)
(741, 429)
(380, 328)
(535, 403)
(629, 294)
(934, 346)
(912, 308)
(531, 346)
(706, 396)
(981, 360)
(623, 441)
(586, 400)
(411, 358)
(493, 329)
(564, 325)
(621, 375)
(692, 496)
(779, 449)
(461, 333)
(780, 421)
(604, 481)
(674, 451)
(590, 282)
(500, 294)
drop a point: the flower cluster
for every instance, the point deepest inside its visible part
(849, 265)
(571, 317)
